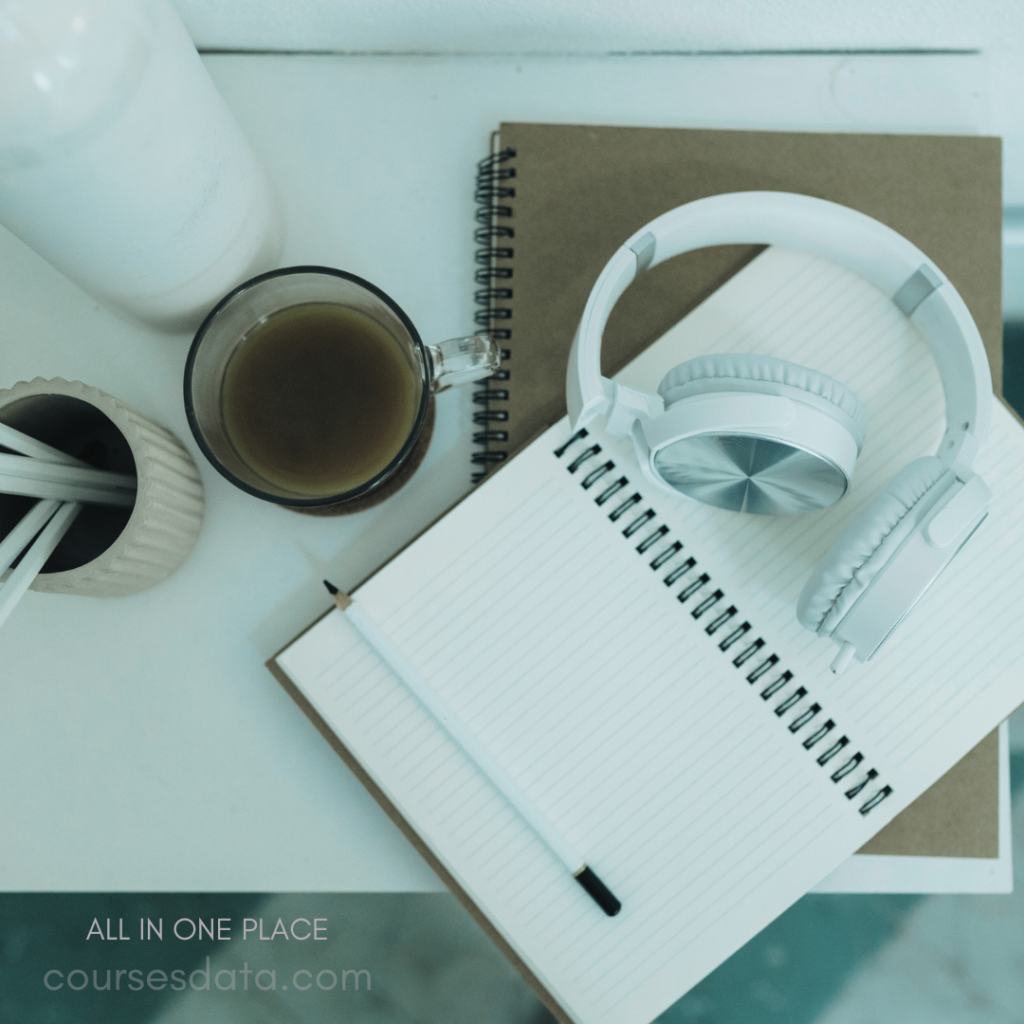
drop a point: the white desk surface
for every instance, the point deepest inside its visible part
(143, 745)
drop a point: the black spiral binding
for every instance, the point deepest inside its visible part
(492, 238)
(734, 636)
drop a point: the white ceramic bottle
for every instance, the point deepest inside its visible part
(120, 162)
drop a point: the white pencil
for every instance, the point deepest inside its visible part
(35, 558)
(25, 445)
(472, 747)
(52, 472)
(31, 523)
(65, 492)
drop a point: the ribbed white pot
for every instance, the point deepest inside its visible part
(168, 512)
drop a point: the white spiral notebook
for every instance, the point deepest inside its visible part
(647, 683)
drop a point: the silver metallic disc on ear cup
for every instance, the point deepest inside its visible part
(745, 473)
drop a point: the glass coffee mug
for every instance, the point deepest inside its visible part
(311, 388)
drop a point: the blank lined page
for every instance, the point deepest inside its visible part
(612, 708)
(685, 736)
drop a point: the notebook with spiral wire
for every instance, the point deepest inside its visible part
(553, 203)
(633, 661)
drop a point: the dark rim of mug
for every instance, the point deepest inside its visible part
(334, 499)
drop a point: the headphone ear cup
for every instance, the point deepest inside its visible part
(863, 550)
(753, 434)
(764, 374)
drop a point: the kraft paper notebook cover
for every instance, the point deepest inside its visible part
(634, 662)
(569, 196)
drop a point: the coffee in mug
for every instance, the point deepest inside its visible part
(310, 387)
(319, 398)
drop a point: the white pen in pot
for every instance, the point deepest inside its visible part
(140, 492)
(33, 560)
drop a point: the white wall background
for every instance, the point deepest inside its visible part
(995, 27)
(599, 25)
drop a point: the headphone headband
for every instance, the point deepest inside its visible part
(868, 247)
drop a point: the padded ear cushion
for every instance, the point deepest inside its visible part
(770, 375)
(861, 553)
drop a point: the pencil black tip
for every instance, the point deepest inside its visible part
(331, 588)
(597, 890)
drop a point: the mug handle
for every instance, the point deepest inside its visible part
(462, 360)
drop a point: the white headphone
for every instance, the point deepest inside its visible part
(759, 434)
